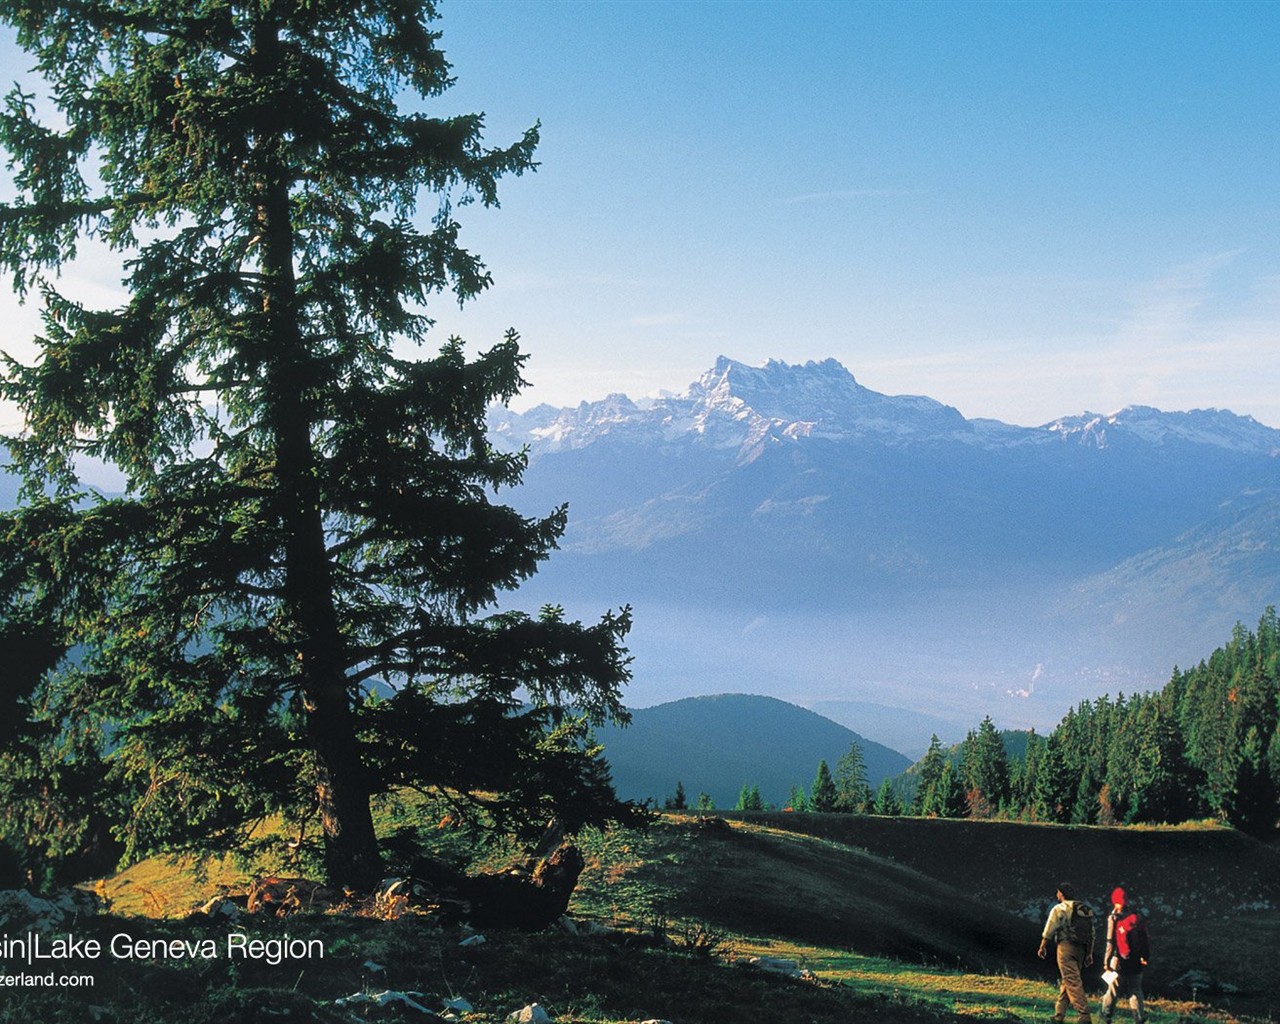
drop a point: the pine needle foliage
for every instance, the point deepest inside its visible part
(292, 605)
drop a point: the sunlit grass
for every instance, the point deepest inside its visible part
(169, 887)
(692, 899)
(992, 997)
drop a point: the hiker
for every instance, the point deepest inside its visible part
(1070, 926)
(1126, 956)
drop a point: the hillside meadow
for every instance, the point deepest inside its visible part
(906, 922)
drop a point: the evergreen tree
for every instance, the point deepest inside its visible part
(1273, 760)
(822, 794)
(853, 794)
(950, 798)
(926, 802)
(886, 801)
(749, 798)
(705, 803)
(1253, 808)
(797, 800)
(308, 516)
(1092, 761)
(1214, 747)
(678, 801)
(1117, 799)
(1023, 773)
(1051, 796)
(1226, 712)
(985, 770)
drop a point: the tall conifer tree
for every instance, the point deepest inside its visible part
(308, 515)
(822, 794)
(853, 794)
(886, 801)
(927, 800)
(985, 770)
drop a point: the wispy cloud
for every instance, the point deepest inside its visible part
(1164, 308)
(1171, 340)
(1030, 689)
(1196, 333)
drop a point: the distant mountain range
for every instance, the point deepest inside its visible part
(785, 530)
(718, 744)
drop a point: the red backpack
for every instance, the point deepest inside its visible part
(1132, 943)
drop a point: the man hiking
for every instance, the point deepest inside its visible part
(1125, 958)
(1070, 926)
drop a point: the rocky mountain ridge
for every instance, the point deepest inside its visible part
(785, 530)
(733, 405)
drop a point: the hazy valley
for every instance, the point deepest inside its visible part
(783, 530)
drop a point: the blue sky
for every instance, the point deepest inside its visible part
(1025, 210)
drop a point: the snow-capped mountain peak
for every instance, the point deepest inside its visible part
(744, 409)
(1217, 428)
(733, 405)
(823, 394)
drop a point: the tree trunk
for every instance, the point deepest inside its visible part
(341, 783)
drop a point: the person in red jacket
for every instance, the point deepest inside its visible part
(1126, 957)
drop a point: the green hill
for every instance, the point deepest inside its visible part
(717, 744)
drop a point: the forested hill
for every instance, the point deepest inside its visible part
(1206, 745)
(716, 745)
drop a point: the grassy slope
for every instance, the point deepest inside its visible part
(887, 939)
(1210, 895)
(162, 887)
(749, 880)
(1195, 871)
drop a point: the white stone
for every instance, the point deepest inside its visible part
(17, 906)
(531, 1014)
(386, 998)
(222, 907)
(776, 965)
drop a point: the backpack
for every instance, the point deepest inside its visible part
(1079, 923)
(1132, 942)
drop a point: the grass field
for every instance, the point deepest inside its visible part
(679, 912)
(1210, 895)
